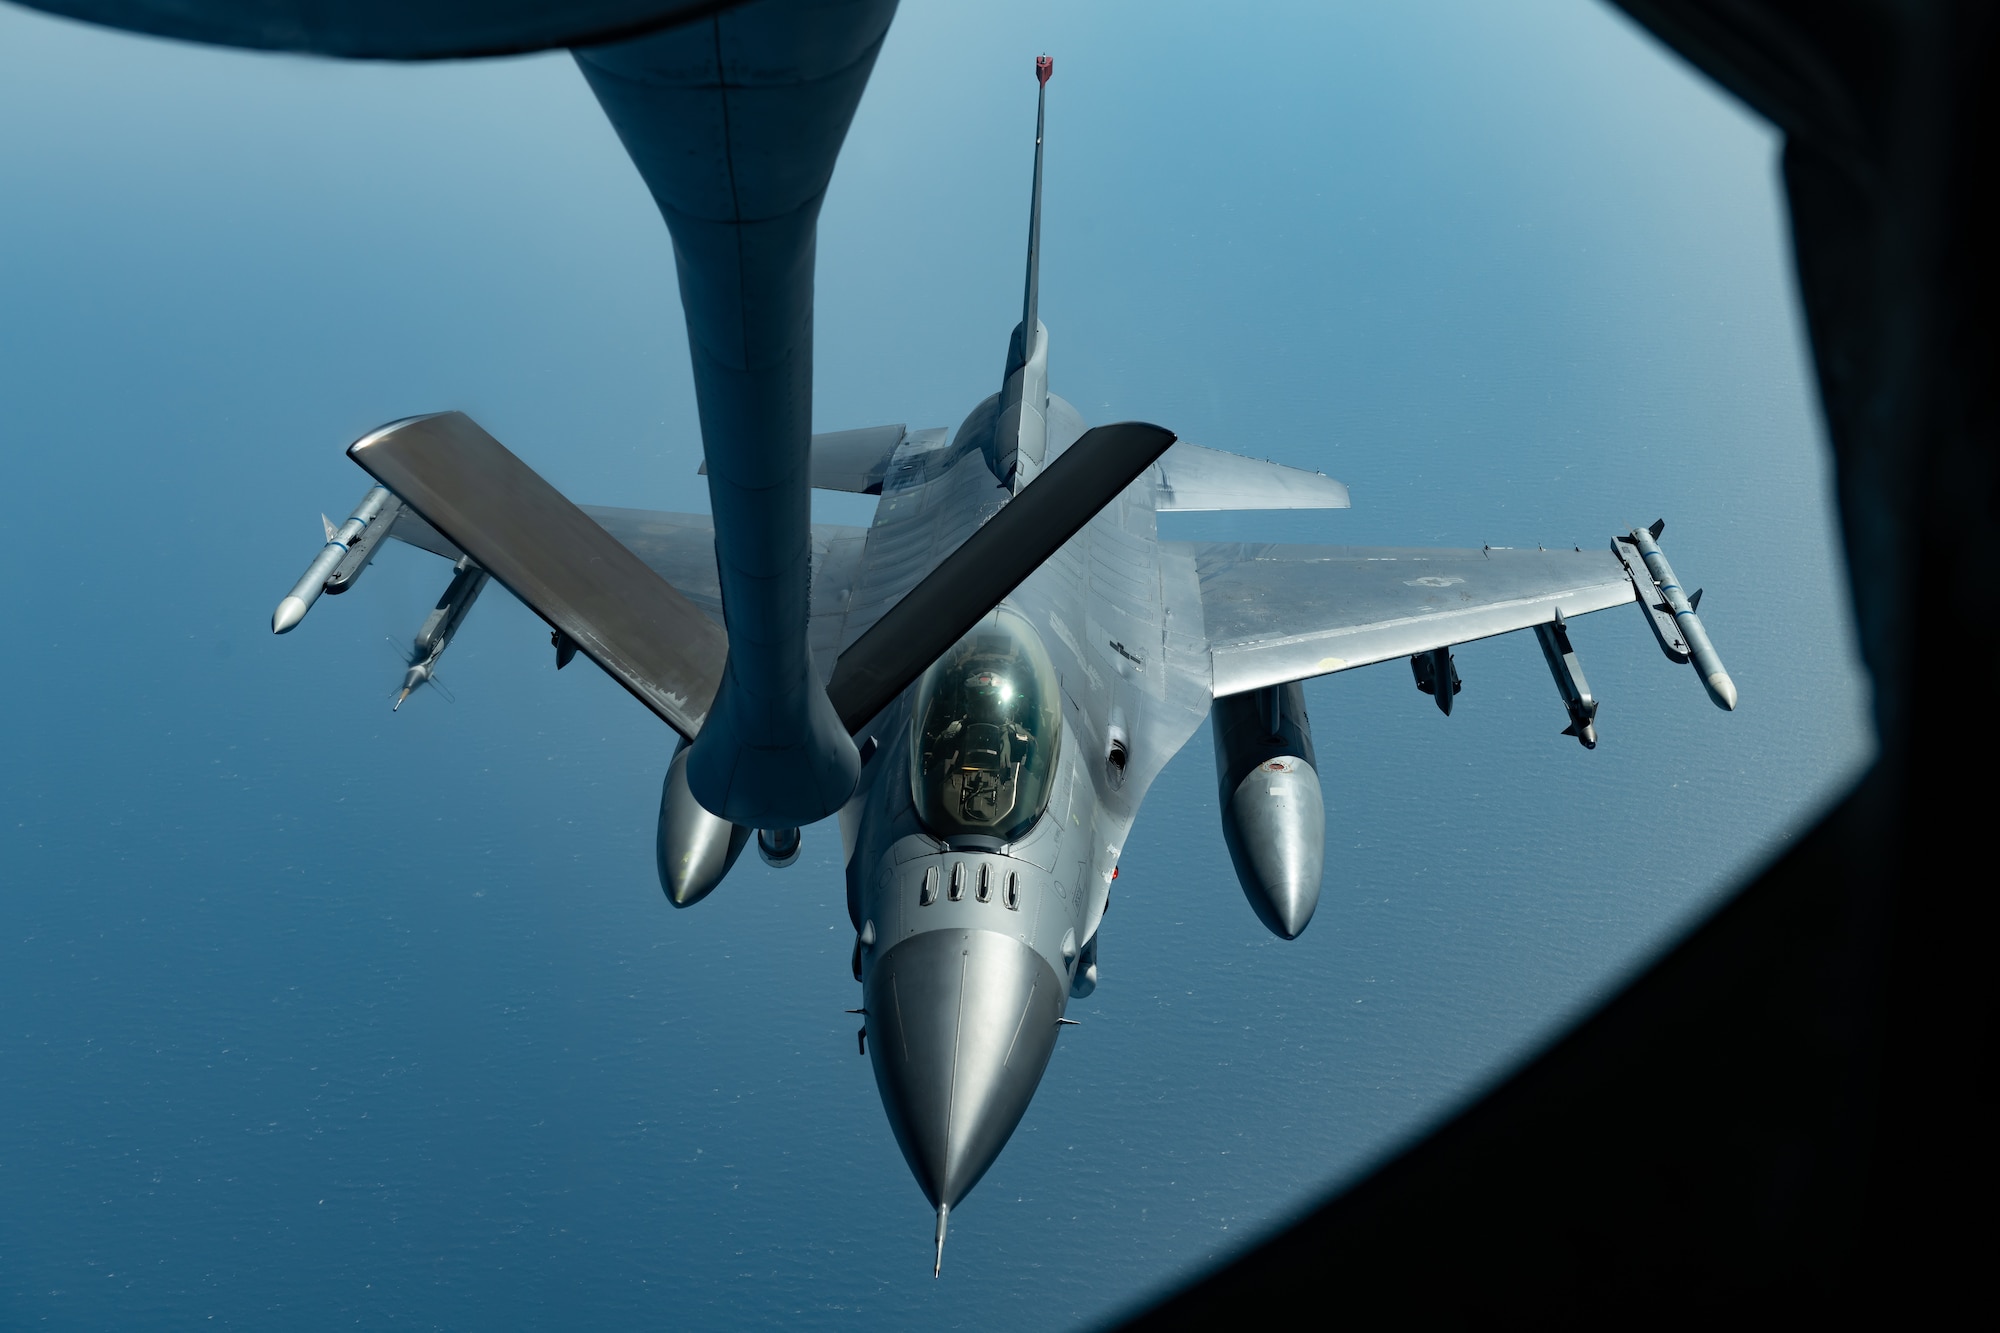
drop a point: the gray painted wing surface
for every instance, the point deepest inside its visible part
(1191, 477)
(555, 558)
(680, 548)
(853, 460)
(412, 528)
(1277, 613)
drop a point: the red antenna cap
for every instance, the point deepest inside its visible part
(1044, 66)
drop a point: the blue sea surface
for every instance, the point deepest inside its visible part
(315, 1016)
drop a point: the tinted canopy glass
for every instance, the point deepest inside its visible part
(985, 732)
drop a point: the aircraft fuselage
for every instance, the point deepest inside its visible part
(977, 919)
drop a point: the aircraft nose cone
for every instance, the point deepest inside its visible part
(961, 1024)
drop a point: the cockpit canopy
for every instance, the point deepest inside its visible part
(985, 732)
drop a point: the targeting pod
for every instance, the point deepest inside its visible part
(1570, 684)
(377, 511)
(467, 582)
(1671, 612)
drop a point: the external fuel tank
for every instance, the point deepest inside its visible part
(692, 848)
(1273, 816)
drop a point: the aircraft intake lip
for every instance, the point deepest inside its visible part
(961, 1024)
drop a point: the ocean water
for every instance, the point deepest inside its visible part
(312, 1016)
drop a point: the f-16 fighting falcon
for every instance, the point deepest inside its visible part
(1000, 767)
(984, 683)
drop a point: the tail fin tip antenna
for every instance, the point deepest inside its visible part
(1044, 67)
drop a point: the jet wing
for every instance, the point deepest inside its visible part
(1191, 477)
(680, 548)
(559, 562)
(1278, 613)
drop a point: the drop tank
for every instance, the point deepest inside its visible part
(1273, 816)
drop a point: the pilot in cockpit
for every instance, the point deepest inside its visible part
(986, 732)
(982, 752)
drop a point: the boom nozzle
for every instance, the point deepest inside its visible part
(944, 1216)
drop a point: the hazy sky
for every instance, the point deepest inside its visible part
(311, 1016)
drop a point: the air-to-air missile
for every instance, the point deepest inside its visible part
(347, 552)
(1273, 817)
(1570, 684)
(1671, 612)
(467, 582)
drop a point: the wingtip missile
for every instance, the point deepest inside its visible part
(1721, 689)
(1672, 612)
(338, 541)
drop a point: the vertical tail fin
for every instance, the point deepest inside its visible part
(1020, 433)
(1044, 67)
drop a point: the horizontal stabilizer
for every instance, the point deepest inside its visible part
(487, 503)
(994, 561)
(1192, 477)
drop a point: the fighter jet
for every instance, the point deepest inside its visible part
(984, 683)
